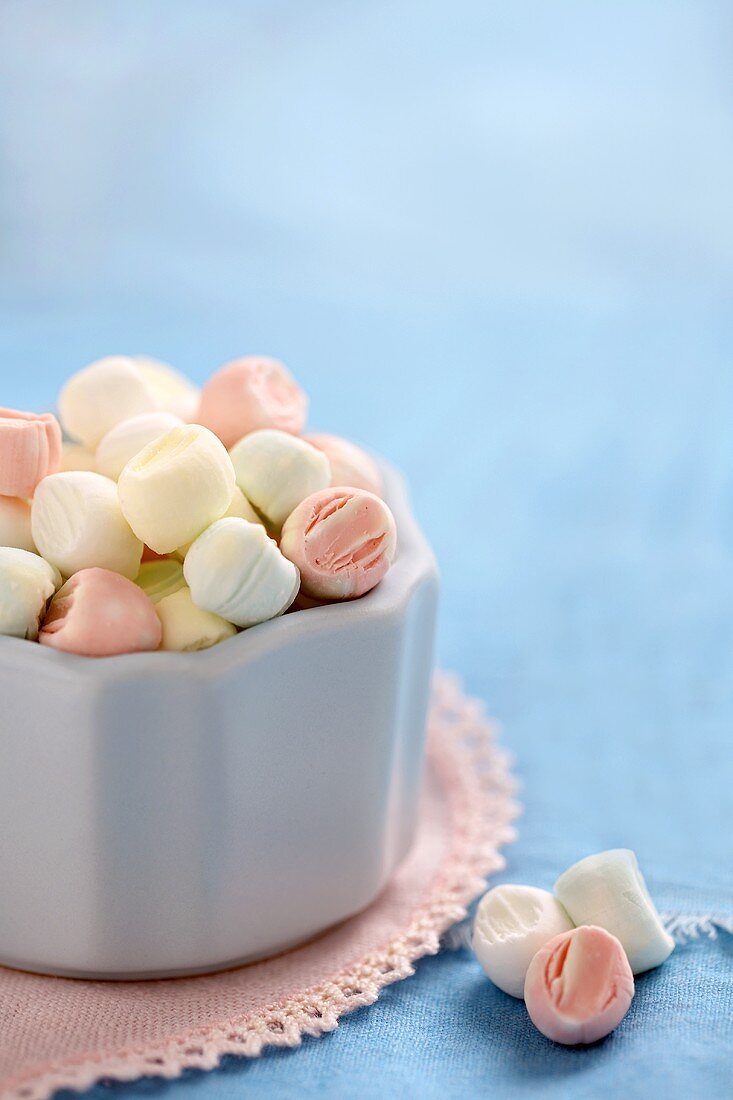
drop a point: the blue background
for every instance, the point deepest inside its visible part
(495, 242)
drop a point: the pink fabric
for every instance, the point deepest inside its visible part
(57, 1033)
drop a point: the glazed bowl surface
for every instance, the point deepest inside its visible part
(167, 814)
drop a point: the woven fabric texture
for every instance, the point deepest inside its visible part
(57, 1033)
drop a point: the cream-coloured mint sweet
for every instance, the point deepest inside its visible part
(128, 438)
(608, 890)
(15, 524)
(276, 471)
(76, 457)
(159, 579)
(176, 487)
(174, 392)
(77, 523)
(27, 583)
(188, 628)
(240, 508)
(512, 924)
(101, 395)
(235, 570)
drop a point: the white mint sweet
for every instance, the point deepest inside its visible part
(15, 524)
(76, 457)
(176, 487)
(101, 395)
(188, 628)
(235, 570)
(512, 924)
(27, 583)
(276, 471)
(128, 438)
(77, 523)
(608, 890)
(173, 391)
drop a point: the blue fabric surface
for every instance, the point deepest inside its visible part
(495, 242)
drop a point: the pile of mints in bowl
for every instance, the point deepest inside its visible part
(153, 515)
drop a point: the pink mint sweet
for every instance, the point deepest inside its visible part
(342, 540)
(30, 449)
(579, 986)
(350, 465)
(98, 613)
(249, 394)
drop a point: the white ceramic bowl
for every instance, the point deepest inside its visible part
(165, 814)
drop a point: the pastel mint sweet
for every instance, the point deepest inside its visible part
(579, 986)
(30, 449)
(608, 889)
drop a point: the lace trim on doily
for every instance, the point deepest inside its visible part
(478, 774)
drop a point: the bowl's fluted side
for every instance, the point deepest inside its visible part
(167, 813)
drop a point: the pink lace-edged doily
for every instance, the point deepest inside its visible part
(57, 1033)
